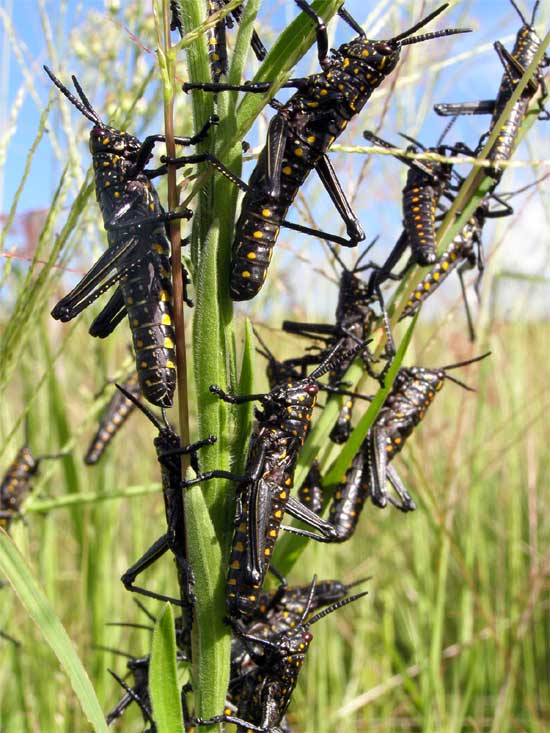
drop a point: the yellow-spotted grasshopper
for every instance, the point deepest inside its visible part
(299, 137)
(426, 182)
(411, 395)
(263, 492)
(263, 695)
(354, 322)
(139, 249)
(515, 64)
(278, 611)
(17, 482)
(464, 253)
(113, 418)
(216, 36)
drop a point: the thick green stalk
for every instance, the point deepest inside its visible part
(210, 507)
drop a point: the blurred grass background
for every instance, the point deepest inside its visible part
(454, 635)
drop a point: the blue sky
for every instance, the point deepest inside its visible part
(379, 209)
(27, 24)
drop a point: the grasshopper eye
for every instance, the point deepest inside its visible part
(384, 48)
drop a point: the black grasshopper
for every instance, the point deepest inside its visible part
(263, 493)
(354, 322)
(137, 692)
(515, 64)
(427, 182)
(139, 250)
(299, 137)
(263, 694)
(216, 36)
(216, 39)
(278, 611)
(17, 482)
(412, 393)
(169, 452)
(464, 253)
(113, 418)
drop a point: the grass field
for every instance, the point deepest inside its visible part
(454, 635)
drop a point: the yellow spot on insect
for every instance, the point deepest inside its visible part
(106, 163)
(116, 194)
(143, 364)
(239, 547)
(283, 495)
(139, 344)
(258, 234)
(170, 365)
(107, 184)
(163, 296)
(389, 449)
(266, 212)
(313, 104)
(278, 514)
(158, 248)
(299, 152)
(251, 256)
(166, 320)
(444, 265)
(346, 63)
(311, 139)
(129, 300)
(235, 565)
(365, 53)
(232, 581)
(427, 286)
(168, 343)
(273, 533)
(343, 125)
(135, 323)
(245, 274)
(267, 552)
(287, 170)
(436, 276)
(323, 92)
(215, 57)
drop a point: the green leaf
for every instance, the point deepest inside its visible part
(163, 676)
(246, 386)
(31, 595)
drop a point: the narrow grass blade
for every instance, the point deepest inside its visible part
(31, 595)
(163, 678)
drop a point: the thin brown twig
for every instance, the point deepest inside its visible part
(175, 243)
